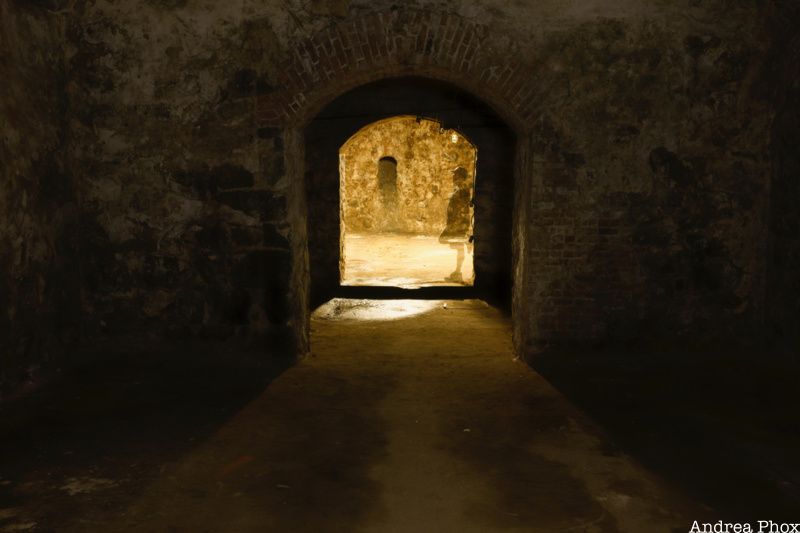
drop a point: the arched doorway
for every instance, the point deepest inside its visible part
(453, 109)
(406, 190)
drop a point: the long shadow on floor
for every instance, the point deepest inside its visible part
(724, 426)
(123, 413)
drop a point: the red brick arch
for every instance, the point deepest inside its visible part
(401, 42)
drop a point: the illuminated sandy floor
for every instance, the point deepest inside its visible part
(409, 416)
(402, 261)
(412, 416)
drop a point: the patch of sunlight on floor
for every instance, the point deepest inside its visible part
(360, 309)
(408, 261)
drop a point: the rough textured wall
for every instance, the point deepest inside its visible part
(648, 172)
(184, 200)
(784, 271)
(650, 165)
(426, 158)
(39, 290)
(780, 81)
(651, 178)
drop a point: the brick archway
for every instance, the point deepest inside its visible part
(397, 43)
(392, 44)
(313, 179)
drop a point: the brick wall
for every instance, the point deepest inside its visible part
(400, 42)
(646, 204)
(640, 199)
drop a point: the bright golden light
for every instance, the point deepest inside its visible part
(378, 310)
(406, 216)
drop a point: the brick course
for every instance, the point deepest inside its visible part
(395, 43)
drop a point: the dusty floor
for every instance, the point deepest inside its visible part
(409, 261)
(411, 417)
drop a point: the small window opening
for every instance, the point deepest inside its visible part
(387, 185)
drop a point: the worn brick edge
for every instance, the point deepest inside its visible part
(398, 42)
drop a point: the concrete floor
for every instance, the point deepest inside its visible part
(409, 261)
(410, 417)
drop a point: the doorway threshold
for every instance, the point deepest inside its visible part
(379, 292)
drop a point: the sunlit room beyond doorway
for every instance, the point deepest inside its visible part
(406, 188)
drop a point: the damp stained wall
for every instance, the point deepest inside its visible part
(650, 180)
(780, 82)
(644, 190)
(185, 200)
(40, 299)
(647, 187)
(426, 157)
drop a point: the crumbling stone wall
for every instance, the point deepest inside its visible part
(425, 156)
(39, 285)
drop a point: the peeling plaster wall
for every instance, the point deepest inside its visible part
(647, 180)
(426, 158)
(39, 285)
